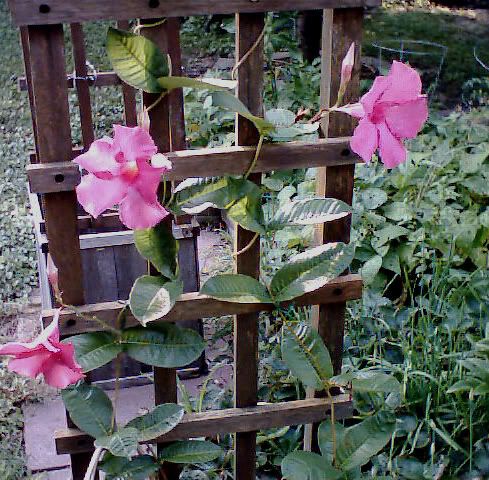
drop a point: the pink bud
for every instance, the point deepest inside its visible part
(347, 66)
(143, 119)
(53, 276)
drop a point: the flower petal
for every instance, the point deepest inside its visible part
(365, 139)
(407, 119)
(392, 151)
(372, 96)
(354, 109)
(41, 342)
(100, 157)
(31, 365)
(347, 66)
(137, 213)
(134, 142)
(148, 180)
(97, 195)
(59, 375)
(404, 85)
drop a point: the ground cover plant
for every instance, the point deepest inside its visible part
(434, 288)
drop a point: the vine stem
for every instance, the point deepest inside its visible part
(90, 318)
(92, 466)
(156, 102)
(250, 244)
(248, 53)
(140, 26)
(255, 158)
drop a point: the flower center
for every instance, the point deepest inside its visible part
(130, 171)
(378, 114)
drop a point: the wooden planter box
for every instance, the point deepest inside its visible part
(111, 264)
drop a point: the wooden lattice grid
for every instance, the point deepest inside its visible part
(53, 175)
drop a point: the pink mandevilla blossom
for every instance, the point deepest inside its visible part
(45, 355)
(121, 173)
(394, 109)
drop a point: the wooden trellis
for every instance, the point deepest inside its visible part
(54, 176)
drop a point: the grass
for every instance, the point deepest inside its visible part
(453, 30)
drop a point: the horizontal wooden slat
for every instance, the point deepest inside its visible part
(53, 177)
(208, 162)
(192, 306)
(40, 12)
(230, 420)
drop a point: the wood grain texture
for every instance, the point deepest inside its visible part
(37, 12)
(46, 48)
(250, 92)
(82, 87)
(191, 306)
(219, 422)
(219, 161)
(165, 379)
(338, 181)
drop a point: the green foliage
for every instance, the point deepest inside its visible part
(159, 247)
(165, 345)
(190, 451)
(160, 420)
(138, 468)
(236, 288)
(137, 60)
(152, 298)
(304, 352)
(122, 443)
(308, 466)
(310, 270)
(93, 350)
(89, 408)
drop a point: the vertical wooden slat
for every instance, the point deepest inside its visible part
(81, 84)
(250, 86)
(49, 89)
(24, 38)
(338, 181)
(165, 379)
(128, 93)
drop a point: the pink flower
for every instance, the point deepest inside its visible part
(394, 109)
(120, 173)
(53, 276)
(46, 355)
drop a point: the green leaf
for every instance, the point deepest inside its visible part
(308, 466)
(122, 443)
(158, 246)
(230, 102)
(372, 198)
(92, 350)
(280, 117)
(152, 298)
(248, 212)
(388, 233)
(190, 451)
(378, 382)
(166, 345)
(311, 270)
(89, 408)
(308, 212)
(325, 438)
(137, 60)
(160, 420)
(236, 288)
(304, 352)
(370, 269)
(362, 441)
(139, 468)
(170, 83)
(194, 195)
